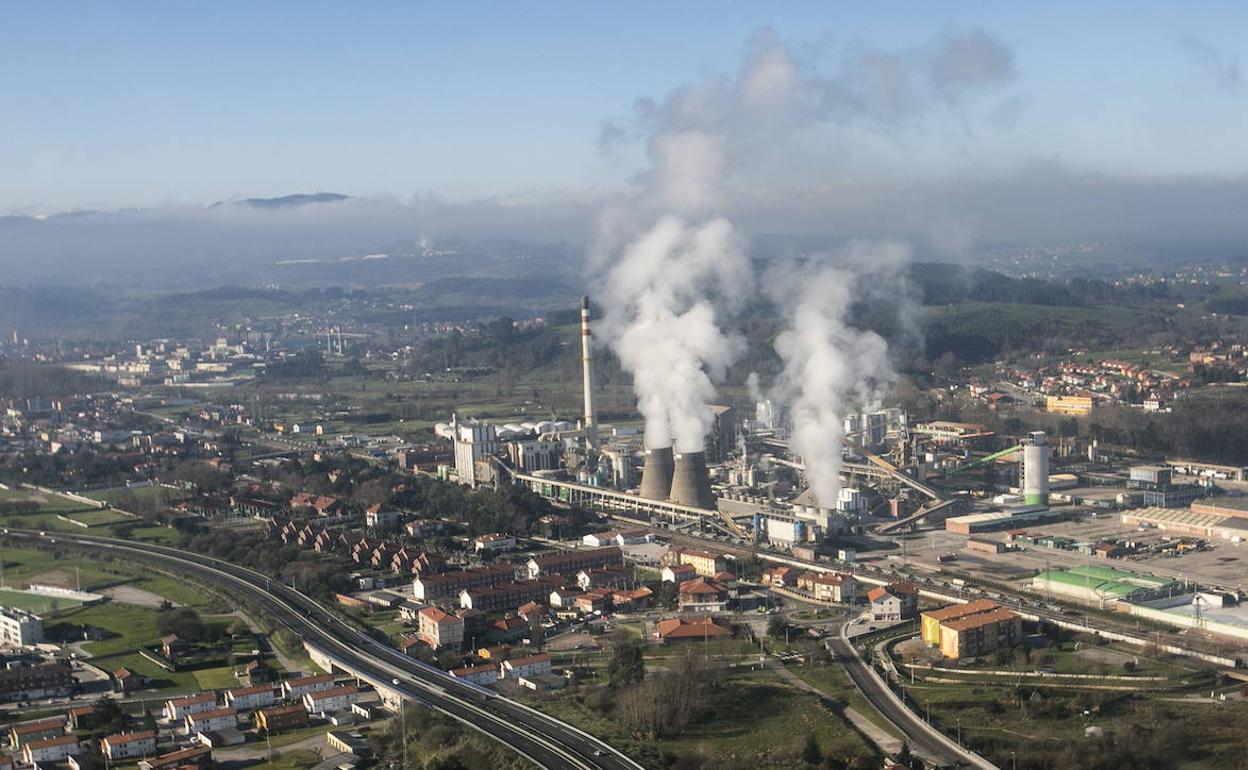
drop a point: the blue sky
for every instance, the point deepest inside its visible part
(136, 103)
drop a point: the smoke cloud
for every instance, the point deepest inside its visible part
(672, 271)
(666, 296)
(832, 368)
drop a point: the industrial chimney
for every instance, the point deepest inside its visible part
(691, 483)
(656, 475)
(587, 376)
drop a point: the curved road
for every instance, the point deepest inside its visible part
(925, 740)
(546, 741)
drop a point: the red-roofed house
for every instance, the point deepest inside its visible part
(530, 665)
(127, 745)
(684, 629)
(702, 594)
(440, 628)
(899, 601)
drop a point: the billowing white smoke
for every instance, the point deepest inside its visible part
(662, 297)
(671, 271)
(831, 368)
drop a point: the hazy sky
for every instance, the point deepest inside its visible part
(142, 103)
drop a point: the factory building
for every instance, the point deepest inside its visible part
(1097, 585)
(781, 529)
(473, 441)
(1158, 490)
(530, 455)
(622, 468)
(723, 435)
(993, 521)
(1150, 477)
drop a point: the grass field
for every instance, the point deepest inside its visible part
(149, 493)
(40, 605)
(215, 678)
(1045, 724)
(101, 518)
(26, 565)
(759, 723)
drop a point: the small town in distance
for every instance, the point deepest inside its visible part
(623, 387)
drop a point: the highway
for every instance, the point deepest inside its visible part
(925, 740)
(546, 741)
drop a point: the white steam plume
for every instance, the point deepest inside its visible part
(670, 271)
(830, 367)
(663, 320)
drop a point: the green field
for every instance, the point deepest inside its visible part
(759, 722)
(40, 605)
(153, 494)
(101, 518)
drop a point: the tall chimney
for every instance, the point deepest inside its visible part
(587, 377)
(691, 483)
(656, 474)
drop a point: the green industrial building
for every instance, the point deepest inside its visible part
(1096, 585)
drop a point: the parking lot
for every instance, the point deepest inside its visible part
(1223, 563)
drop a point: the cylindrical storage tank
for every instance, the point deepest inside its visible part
(691, 483)
(656, 474)
(1035, 484)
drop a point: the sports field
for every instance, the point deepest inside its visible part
(40, 605)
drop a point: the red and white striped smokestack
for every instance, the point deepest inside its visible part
(587, 374)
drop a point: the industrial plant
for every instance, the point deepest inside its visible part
(746, 483)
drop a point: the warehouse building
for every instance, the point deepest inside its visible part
(1192, 522)
(1098, 585)
(996, 521)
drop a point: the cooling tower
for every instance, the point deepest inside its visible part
(656, 474)
(691, 483)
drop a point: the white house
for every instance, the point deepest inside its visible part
(564, 598)
(49, 749)
(211, 721)
(618, 537)
(251, 698)
(484, 674)
(330, 701)
(530, 665)
(379, 518)
(678, 573)
(127, 745)
(297, 688)
(495, 542)
(177, 709)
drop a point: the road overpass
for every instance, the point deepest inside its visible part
(547, 742)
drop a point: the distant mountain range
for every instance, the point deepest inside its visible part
(285, 201)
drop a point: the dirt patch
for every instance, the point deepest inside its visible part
(127, 594)
(54, 577)
(1103, 654)
(572, 642)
